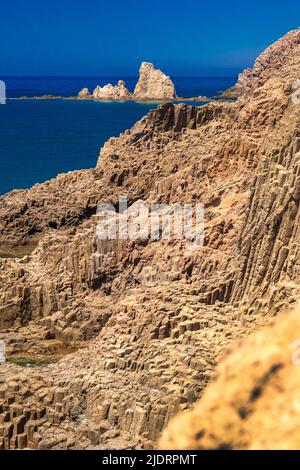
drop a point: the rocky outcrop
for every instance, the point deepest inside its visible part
(84, 94)
(153, 316)
(109, 92)
(71, 198)
(153, 84)
(253, 401)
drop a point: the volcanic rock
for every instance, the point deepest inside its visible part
(84, 93)
(273, 57)
(253, 401)
(110, 92)
(153, 84)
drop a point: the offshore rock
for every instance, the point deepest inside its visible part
(153, 84)
(110, 92)
(84, 94)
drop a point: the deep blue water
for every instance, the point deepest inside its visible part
(39, 139)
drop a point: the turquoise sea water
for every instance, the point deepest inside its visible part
(39, 139)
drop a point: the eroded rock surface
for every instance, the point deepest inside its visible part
(253, 402)
(84, 94)
(153, 84)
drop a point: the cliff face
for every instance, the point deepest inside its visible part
(84, 94)
(153, 316)
(153, 84)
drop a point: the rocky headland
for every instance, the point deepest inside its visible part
(142, 324)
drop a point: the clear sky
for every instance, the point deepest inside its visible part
(111, 37)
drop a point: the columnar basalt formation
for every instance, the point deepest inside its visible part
(150, 317)
(108, 92)
(84, 94)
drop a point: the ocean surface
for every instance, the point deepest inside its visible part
(40, 139)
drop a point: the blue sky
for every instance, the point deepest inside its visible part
(187, 37)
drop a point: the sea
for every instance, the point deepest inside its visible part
(40, 139)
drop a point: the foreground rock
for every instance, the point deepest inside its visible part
(153, 316)
(153, 84)
(253, 402)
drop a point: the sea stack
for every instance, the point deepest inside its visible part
(110, 92)
(153, 84)
(2, 352)
(84, 94)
